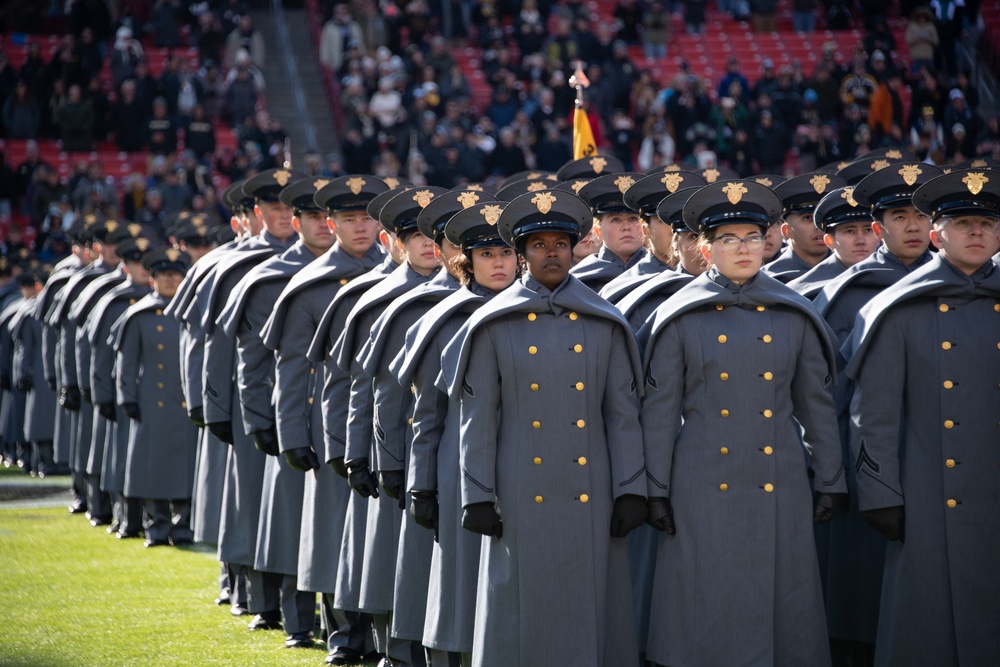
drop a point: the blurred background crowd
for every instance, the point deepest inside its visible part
(142, 108)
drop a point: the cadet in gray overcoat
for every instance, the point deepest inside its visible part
(162, 441)
(619, 228)
(552, 466)
(734, 363)
(925, 417)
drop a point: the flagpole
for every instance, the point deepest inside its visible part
(583, 136)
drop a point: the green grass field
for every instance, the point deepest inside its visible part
(73, 595)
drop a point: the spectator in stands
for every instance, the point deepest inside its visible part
(65, 64)
(949, 15)
(134, 197)
(89, 56)
(146, 87)
(175, 192)
(508, 157)
(213, 86)
(359, 147)
(858, 87)
(21, 114)
(694, 17)
(922, 37)
(928, 93)
(248, 38)
(160, 133)
(959, 144)
(768, 144)
(621, 75)
(98, 101)
(338, 32)
(733, 74)
(927, 136)
(963, 83)
(386, 104)
(688, 105)
(988, 140)
(24, 174)
(34, 72)
(75, 120)
(152, 213)
(827, 93)
(47, 190)
(240, 99)
(189, 93)
(764, 15)
(958, 112)
(165, 23)
(879, 37)
(454, 85)
(199, 137)
(57, 98)
(729, 117)
(196, 175)
(502, 108)
(655, 32)
(529, 28)
(787, 100)
(334, 166)
(8, 195)
(848, 130)
(94, 191)
(561, 47)
(629, 17)
(588, 46)
(804, 15)
(128, 118)
(767, 82)
(209, 38)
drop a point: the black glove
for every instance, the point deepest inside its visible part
(222, 431)
(828, 505)
(394, 483)
(302, 459)
(628, 514)
(197, 416)
(482, 518)
(69, 397)
(424, 509)
(361, 478)
(107, 410)
(131, 410)
(87, 396)
(5, 382)
(25, 384)
(266, 441)
(889, 521)
(52, 384)
(661, 514)
(338, 466)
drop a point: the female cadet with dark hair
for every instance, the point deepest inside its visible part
(486, 266)
(550, 452)
(735, 363)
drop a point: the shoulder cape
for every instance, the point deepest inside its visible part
(194, 276)
(151, 301)
(282, 267)
(668, 281)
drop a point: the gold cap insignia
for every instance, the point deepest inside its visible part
(543, 201)
(711, 175)
(734, 192)
(393, 183)
(946, 170)
(475, 187)
(320, 183)
(975, 182)
(672, 167)
(173, 254)
(624, 183)
(879, 164)
(491, 213)
(199, 220)
(355, 184)
(577, 186)
(534, 175)
(423, 198)
(142, 244)
(551, 177)
(467, 199)
(910, 173)
(535, 187)
(89, 219)
(978, 164)
(848, 195)
(111, 226)
(764, 180)
(135, 229)
(894, 154)
(672, 181)
(842, 165)
(598, 164)
(282, 176)
(819, 183)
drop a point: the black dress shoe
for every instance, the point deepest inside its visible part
(78, 507)
(237, 610)
(128, 534)
(268, 620)
(156, 543)
(99, 521)
(181, 541)
(343, 655)
(299, 640)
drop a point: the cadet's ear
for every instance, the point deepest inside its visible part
(296, 223)
(331, 224)
(877, 228)
(786, 230)
(383, 238)
(936, 238)
(828, 240)
(706, 253)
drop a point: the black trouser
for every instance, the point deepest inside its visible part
(168, 519)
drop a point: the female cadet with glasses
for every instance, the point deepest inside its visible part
(735, 363)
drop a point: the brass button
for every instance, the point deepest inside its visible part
(946, 345)
(724, 412)
(536, 424)
(943, 308)
(159, 327)
(768, 488)
(574, 317)
(160, 385)
(950, 463)
(160, 366)
(768, 450)
(159, 404)
(580, 423)
(532, 317)
(538, 499)
(532, 350)
(723, 376)
(413, 389)
(534, 386)
(410, 420)
(768, 376)
(996, 307)
(312, 371)
(724, 450)
(766, 338)
(343, 281)
(579, 386)
(131, 302)
(538, 460)
(952, 503)
(948, 384)
(159, 311)
(159, 346)
(949, 423)
(582, 460)
(584, 497)
(578, 348)
(723, 487)
(761, 309)
(310, 399)
(184, 404)
(722, 338)
(719, 307)
(768, 414)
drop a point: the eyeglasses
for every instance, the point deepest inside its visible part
(966, 225)
(732, 243)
